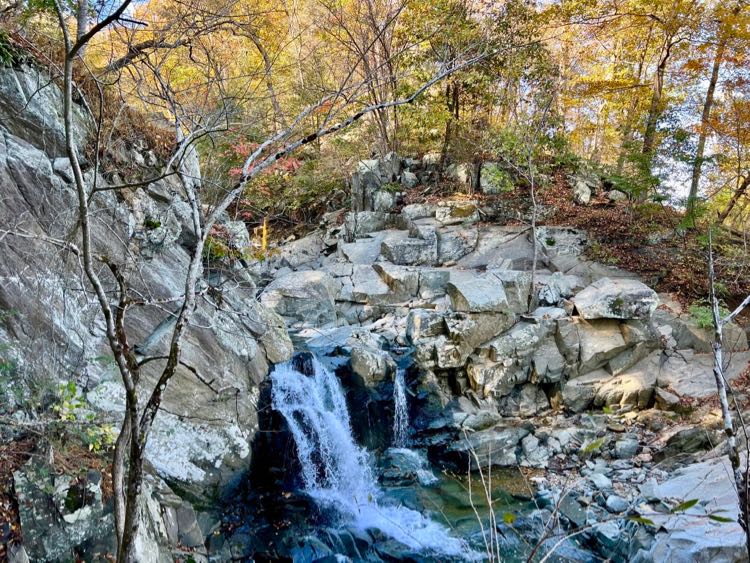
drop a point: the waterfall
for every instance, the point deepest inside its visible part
(336, 471)
(400, 410)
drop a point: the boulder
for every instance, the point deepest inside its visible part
(402, 281)
(578, 394)
(581, 193)
(457, 212)
(689, 535)
(306, 296)
(455, 243)
(361, 223)
(424, 323)
(634, 387)
(616, 299)
(475, 293)
(690, 375)
(373, 366)
(398, 247)
(409, 180)
(506, 361)
(496, 447)
(599, 342)
(371, 181)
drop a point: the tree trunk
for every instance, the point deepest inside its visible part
(654, 110)
(627, 132)
(707, 105)
(736, 196)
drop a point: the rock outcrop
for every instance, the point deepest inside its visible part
(52, 329)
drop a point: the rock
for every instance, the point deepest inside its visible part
(517, 286)
(307, 296)
(424, 323)
(496, 447)
(59, 514)
(665, 400)
(370, 182)
(409, 180)
(616, 195)
(688, 441)
(398, 247)
(581, 193)
(31, 109)
(633, 387)
(616, 504)
(361, 223)
(505, 361)
(556, 287)
(524, 401)
(63, 168)
(457, 212)
(455, 243)
(578, 394)
(601, 481)
(364, 251)
(373, 366)
(534, 454)
(404, 467)
(690, 375)
(616, 299)
(367, 287)
(626, 448)
(466, 415)
(384, 201)
(478, 294)
(690, 536)
(401, 281)
(433, 282)
(416, 211)
(599, 342)
(687, 334)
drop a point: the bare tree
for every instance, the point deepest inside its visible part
(719, 368)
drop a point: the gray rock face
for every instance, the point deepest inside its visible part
(54, 517)
(60, 331)
(690, 536)
(31, 109)
(496, 447)
(372, 184)
(307, 296)
(478, 294)
(616, 299)
(373, 366)
(402, 249)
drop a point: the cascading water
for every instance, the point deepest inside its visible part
(335, 469)
(400, 410)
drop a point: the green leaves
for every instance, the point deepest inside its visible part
(641, 520)
(683, 506)
(717, 518)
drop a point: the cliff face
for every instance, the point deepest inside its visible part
(50, 324)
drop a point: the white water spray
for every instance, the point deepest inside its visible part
(400, 410)
(335, 469)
